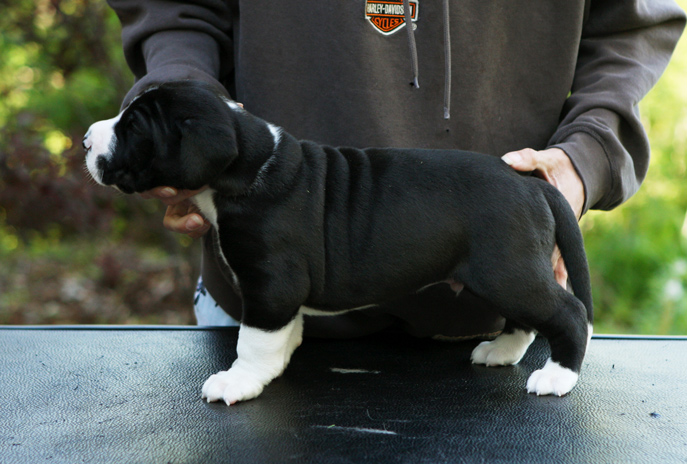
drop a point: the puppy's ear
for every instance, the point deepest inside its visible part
(206, 149)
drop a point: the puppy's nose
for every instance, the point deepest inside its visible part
(86, 143)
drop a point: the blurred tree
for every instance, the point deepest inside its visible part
(61, 69)
(71, 251)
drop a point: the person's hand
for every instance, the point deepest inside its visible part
(182, 215)
(554, 166)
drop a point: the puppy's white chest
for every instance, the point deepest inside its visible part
(206, 204)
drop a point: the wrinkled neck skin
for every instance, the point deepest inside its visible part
(258, 155)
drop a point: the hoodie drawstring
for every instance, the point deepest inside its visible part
(447, 53)
(411, 43)
(447, 62)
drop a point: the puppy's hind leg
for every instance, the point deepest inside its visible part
(540, 303)
(568, 333)
(262, 356)
(507, 349)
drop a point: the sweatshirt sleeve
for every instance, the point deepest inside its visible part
(171, 40)
(625, 47)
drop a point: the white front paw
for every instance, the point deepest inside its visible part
(552, 379)
(231, 386)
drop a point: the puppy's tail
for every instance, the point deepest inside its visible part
(570, 242)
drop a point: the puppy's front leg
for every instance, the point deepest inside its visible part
(262, 357)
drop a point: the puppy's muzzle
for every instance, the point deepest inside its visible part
(86, 142)
(98, 144)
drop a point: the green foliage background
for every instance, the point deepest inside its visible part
(638, 252)
(72, 252)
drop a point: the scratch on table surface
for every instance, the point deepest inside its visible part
(355, 429)
(340, 370)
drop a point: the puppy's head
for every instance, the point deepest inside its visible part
(179, 134)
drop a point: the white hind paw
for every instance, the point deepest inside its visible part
(505, 350)
(552, 379)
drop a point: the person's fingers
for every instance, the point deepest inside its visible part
(160, 193)
(175, 218)
(541, 162)
(183, 218)
(171, 196)
(523, 160)
(200, 231)
(192, 225)
(555, 167)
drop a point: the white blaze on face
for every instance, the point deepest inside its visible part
(99, 142)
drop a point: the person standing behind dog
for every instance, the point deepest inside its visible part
(552, 88)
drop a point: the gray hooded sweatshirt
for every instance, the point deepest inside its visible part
(486, 76)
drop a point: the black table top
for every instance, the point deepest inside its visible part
(131, 395)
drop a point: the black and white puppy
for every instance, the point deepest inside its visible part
(310, 229)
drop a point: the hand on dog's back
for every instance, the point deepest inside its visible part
(554, 166)
(182, 216)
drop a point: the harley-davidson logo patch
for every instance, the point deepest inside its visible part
(389, 16)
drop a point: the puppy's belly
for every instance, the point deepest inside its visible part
(321, 312)
(457, 287)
